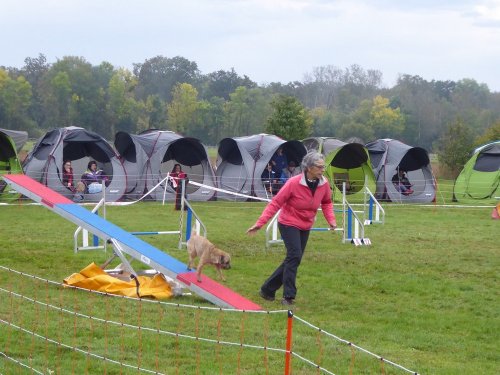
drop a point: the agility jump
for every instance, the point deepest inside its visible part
(126, 242)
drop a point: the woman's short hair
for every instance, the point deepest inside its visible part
(90, 163)
(310, 159)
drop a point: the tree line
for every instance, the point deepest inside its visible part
(172, 94)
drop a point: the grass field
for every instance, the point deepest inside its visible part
(425, 295)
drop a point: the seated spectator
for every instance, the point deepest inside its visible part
(279, 162)
(402, 183)
(270, 181)
(289, 171)
(67, 177)
(92, 178)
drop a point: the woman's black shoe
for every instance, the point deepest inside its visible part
(265, 296)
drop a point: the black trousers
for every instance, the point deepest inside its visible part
(295, 242)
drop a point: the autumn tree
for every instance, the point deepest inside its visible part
(384, 120)
(289, 119)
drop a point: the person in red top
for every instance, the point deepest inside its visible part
(176, 183)
(298, 200)
(67, 177)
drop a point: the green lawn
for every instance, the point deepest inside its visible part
(425, 295)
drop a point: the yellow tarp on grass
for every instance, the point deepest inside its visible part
(94, 278)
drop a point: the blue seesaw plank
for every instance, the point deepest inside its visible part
(107, 230)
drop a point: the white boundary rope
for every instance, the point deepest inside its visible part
(21, 363)
(229, 192)
(74, 348)
(354, 345)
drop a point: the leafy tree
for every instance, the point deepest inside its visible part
(426, 108)
(159, 76)
(290, 119)
(211, 121)
(222, 83)
(183, 109)
(34, 70)
(73, 96)
(60, 100)
(490, 135)
(327, 123)
(358, 123)
(123, 109)
(454, 147)
(15, 100)
(384, 120)
(157, 112)
(237, 112)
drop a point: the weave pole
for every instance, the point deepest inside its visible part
(288, 351)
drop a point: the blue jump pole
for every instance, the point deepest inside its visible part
(189, 218)
(349, 223)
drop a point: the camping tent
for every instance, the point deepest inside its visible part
(480, 177)
(241, 161)
(387, 157)
(11, 142)
(149, 156)
(346, 162)
(18, 136)
(45, 162)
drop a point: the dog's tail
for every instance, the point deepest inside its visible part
(195, 229)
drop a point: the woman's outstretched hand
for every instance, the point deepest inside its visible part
(252, 230)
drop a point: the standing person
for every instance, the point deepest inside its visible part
(175, 182)
(92, 178)
(299, 200)
(67, 177)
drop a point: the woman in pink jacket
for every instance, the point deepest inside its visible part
(299, 200)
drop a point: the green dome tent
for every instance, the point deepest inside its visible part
(480, 177)
(10, 143)
(346, 162)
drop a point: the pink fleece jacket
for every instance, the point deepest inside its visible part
(298, 205)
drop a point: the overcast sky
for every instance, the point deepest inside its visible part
(267, 40)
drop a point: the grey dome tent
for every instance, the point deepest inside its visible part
(11, 142)
(149, 156)
(241, 161)
(480, 177)
(346, 162)
(45, 162)
(387, 157)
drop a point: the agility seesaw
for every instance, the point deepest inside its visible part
(125, 242)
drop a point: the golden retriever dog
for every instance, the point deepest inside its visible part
(199, 246)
